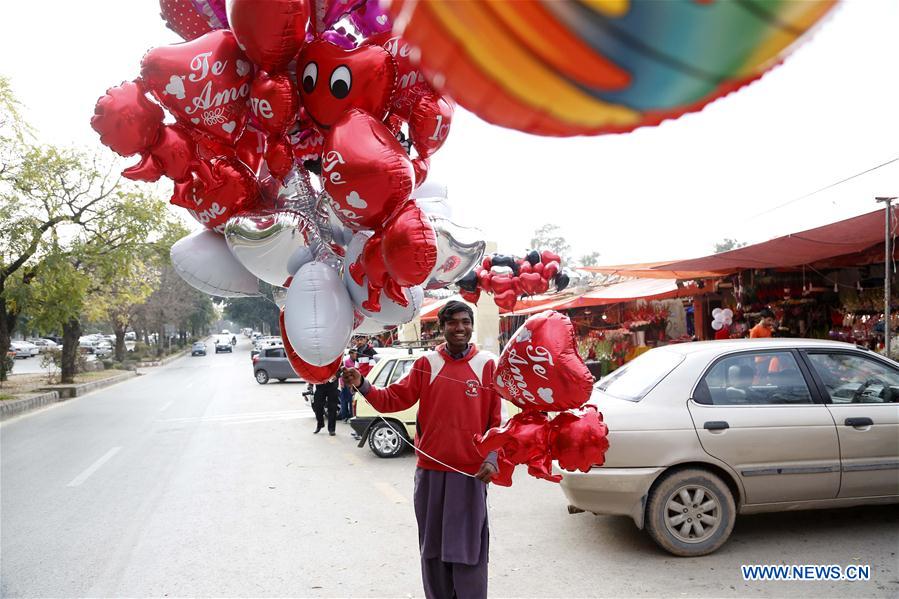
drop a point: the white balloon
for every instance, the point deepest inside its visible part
(717, 325)
(391, 313)
(728, 313)
(205, 263)
(318, 314)
(728, 321)
(716, 312)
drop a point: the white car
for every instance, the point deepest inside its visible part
(24, 349)
(702, 432)
(43, 344)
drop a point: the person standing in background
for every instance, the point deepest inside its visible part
(365, 354)
(346, 393)
(765, 327)
(326, 397)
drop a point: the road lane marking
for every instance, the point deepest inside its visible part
(389, 492)
(167, 406)
(93, 467)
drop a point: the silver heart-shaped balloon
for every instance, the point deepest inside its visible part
(459, 249)
(264, 241)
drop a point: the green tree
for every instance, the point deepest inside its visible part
(46, 195)
(80, 273)
(728, 244)
(549, 237)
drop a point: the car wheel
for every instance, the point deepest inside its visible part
(261, 377)
(386, 440)
(690, 512)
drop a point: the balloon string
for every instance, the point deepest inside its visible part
(402, 438)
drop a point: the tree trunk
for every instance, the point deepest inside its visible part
(7, 327)
(159, 341)
(71, 332)
(119, 331)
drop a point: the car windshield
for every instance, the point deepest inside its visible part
(636, 378)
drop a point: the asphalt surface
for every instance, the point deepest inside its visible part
(193, 480)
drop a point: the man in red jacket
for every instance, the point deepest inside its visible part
(453, 386)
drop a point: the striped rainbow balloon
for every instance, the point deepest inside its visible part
(583, 67)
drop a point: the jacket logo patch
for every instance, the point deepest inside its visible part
(471, 388)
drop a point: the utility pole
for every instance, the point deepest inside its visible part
(887, 270)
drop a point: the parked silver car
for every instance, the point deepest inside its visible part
(272, 363)
(700, 432)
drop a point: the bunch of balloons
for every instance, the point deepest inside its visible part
(509, 277)
(541, 371)
(722, 318)
(299, 134)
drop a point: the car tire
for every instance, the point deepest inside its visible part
(386, 440)
(261, 377)
(690, 512)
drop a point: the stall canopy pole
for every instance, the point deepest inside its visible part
(887, 268)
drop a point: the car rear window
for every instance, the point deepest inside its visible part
(637, 378)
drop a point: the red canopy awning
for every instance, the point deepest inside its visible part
(848, 236)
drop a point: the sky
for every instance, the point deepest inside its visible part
(737, 169)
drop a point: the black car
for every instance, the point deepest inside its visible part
(198, 349)
(223, 345)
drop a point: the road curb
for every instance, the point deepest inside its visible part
(162, 362)
(14, 407)
(79, 389)
(56, 393)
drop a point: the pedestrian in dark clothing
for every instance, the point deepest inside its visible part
(325, 397)
(456, 400)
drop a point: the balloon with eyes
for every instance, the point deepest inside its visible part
(367, 174)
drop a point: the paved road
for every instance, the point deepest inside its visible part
(194, 480)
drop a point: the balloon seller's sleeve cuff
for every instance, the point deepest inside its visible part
(365, 387)
(491, 458)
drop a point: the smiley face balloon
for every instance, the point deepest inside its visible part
(334, 81)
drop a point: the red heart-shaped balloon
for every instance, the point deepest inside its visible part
(182, 17)
(271, 32)
(334, 81)
(501, 283)
(306, 371)
(506, 299)
(524, 267)
(409, 246)
(540, 368)
(484, 280)
(226, 188)
(547, 256)
(430, 123)
(530, 282)
(274, 102)
(365, 171)
(550, 269)
(411, 84)
(471, 297)
(205, 83)
(538, 268)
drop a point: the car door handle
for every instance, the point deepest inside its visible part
(715, 425)
(858, 422)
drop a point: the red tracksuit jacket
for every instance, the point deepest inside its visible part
(456, 402)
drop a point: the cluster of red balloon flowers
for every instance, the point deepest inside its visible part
(507, 277)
